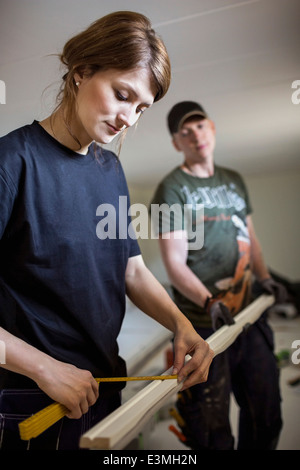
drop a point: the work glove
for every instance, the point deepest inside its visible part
(275, 288)
(219, 314)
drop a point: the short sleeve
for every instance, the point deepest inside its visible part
(246, 196)
(7, 196)
(166, 210)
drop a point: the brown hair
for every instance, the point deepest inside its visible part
(122, 40)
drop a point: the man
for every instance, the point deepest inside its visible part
(213, 283)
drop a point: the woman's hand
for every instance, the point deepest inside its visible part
(74, 388)
(149, 296)
(194, 371)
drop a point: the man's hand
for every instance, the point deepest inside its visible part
(219, 314)
(275, 288)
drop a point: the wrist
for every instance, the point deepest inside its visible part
(181, 324)
(40, 369)
(263, 276)
(210, 300)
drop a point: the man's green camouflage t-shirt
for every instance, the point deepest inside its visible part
(223, 262)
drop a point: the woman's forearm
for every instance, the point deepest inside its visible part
(22, 358)
(75, 388)
(150, 297)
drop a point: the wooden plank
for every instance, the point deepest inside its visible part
(121, 426)
(226, 335)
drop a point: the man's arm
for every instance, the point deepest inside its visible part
(148, 295)
(261, 271)
(174, 250)
(258, 267)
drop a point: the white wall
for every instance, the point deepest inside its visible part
(276, 211)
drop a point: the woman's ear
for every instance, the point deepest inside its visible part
(77, 78)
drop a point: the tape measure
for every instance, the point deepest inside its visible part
(129, 379)
(42, 420)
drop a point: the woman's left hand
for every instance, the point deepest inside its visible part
(196, 369)
(149, 296)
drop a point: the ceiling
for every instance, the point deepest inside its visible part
(238, 58)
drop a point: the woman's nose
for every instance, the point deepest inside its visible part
(128, 117)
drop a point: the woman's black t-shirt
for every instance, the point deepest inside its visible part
(64, 248)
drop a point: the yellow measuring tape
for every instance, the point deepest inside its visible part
(39, 422)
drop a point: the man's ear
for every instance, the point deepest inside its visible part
(213, 126)
(175, 144)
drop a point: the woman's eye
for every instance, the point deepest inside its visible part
(121, 97)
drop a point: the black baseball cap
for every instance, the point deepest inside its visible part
(181, 112)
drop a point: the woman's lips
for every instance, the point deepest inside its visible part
(112, 128)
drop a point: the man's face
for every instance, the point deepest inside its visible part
(196, 139)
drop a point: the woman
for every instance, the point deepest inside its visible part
(62, 289)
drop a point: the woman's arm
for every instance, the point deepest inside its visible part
(149, 296)
(74, 388)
